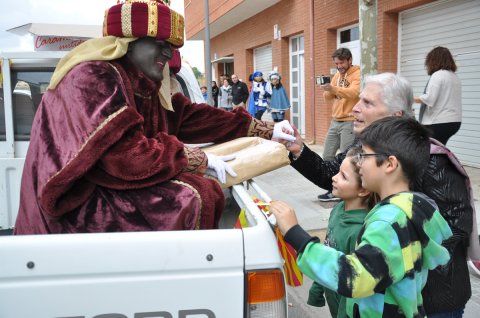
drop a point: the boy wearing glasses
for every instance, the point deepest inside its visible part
(401, 236)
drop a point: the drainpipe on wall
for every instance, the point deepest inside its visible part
(208, 62)
(312, 67)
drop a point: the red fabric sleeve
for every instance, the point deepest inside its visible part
(199, 123)
(136, 161)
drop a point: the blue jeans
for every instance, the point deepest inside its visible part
(451, 314)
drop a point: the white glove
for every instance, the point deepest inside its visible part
(217, 167)
(278, 129)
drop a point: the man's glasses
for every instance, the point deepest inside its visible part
(360, 157)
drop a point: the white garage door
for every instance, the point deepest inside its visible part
(262, 60)
(454, 24)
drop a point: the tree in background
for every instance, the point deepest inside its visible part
(199, 76)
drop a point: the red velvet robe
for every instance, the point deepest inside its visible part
(106, 156)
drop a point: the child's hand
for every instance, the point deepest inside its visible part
(284, 214)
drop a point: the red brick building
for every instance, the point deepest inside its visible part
(297, 37)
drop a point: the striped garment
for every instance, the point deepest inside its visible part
(397, 245)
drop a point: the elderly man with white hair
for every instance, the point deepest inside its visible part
(447, 289)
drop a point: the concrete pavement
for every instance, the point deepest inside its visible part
(289, 185)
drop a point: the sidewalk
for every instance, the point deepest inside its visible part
(289, 185)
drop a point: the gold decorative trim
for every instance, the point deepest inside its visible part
(127, 20)
(105, 23)
(142, 1)
(100, 127)
(197, 225)
(197, 160)
(176, 27)
(152, 19)
(186, 153)
(260, 128)
(251, 128)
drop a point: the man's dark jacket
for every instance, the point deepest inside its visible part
(448, 287)
(239, 92)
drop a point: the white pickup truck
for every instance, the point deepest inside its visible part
(209, 273)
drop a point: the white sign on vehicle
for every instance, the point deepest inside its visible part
(56, 43)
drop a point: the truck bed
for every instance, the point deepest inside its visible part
(165, 274)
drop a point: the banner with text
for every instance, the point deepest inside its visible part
(56, 43)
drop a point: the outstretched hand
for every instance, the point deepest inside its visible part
(217, 167)
(283, 131)
(285, 215)
(294, 146)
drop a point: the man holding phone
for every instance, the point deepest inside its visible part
(343, 91)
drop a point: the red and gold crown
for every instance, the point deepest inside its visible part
(137, 18)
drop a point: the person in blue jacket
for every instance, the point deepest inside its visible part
(279, 102)
(258, 101)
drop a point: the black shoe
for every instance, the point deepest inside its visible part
(328, 197)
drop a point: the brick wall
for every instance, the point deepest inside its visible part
(293, 17)
(195, 10)
(331, 15)
(257, 31)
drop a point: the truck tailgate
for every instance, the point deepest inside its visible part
(163, 274)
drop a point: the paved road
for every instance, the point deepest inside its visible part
(288, 185)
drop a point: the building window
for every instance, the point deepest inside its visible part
(28, 88)
(349, 35)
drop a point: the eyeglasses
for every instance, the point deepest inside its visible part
(360, 157)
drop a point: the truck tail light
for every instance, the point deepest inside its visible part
(266, 294)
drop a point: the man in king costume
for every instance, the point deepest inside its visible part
(107, 150)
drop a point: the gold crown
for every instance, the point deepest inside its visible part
(140, 18)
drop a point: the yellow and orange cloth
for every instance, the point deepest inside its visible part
(293, 275)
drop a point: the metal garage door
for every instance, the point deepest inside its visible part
(262, 60)
(454, 24)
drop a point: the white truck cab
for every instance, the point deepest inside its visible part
(25, 78)
(207, 273)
